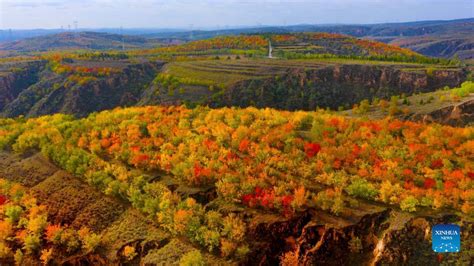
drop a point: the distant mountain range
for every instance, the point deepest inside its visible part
(80, 40)
(433, 38)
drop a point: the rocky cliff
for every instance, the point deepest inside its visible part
(52, 93)
(455, 115)
(369, 235)
(18, 78)
(38, 91)
(338, 85)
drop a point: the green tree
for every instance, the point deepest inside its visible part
(192, 258)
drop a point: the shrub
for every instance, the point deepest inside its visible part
(426, 201)
(383, 104)
(409, 204)
(227, 247)
(90, 241)
(393, 110)
(38, 224)
(355, 108)
(394, 99)
(330, 200)
(362, 188)
(18, 257)
(70, 240)
(46, 256)
(5, 251)
(389, 193)
(209, 238)
(192, 258)
(13, 213)
(129, 253)
(6, 229)
(406, 101)
(324, 200)
(242, 251)
(465, 89)
(306, 123)
(364, 106)
(32, 243)
(299, 199)
(338, 205)
(234, 227)
(375, 101)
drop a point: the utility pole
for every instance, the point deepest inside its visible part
(121, 35)
(75, 29)
(191, 34)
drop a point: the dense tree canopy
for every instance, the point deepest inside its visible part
(276, 160)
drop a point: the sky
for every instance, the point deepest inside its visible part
(202, 14)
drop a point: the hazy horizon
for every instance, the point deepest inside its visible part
(230, 27)
(212, 14)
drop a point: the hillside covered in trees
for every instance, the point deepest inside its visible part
(208, 175)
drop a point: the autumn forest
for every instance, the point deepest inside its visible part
(270, 146)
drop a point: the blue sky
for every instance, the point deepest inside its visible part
(28, 14)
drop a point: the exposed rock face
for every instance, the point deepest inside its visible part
(13, 83)
(455, 115)
(36, 91)
(336, 86)
(51, 94)
(122, 89)
(382, 237)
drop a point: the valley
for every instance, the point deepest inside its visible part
(333, 150)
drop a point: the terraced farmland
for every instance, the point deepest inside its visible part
(226, 72)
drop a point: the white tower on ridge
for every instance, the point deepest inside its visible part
(270, 49)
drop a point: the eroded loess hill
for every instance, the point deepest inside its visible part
(250, 186)
(16, 77)
(337, 85)
(82, 86)
(293, 84)
(76, 87)
(307, 70)
(449, 106)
